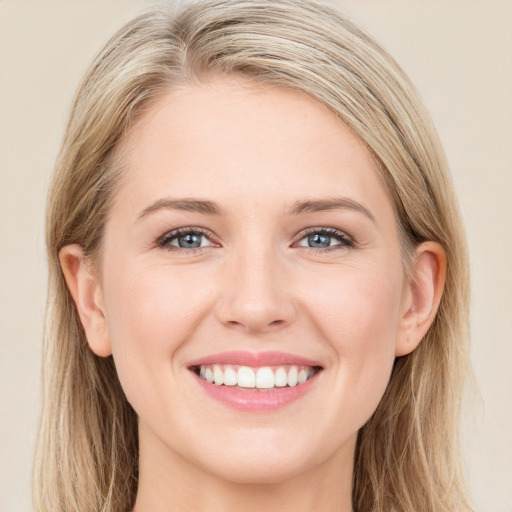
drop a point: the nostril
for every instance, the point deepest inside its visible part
(255, 304)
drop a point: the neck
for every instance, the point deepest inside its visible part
(167, 482)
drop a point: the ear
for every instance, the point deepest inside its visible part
(421, 297)
(88, 296)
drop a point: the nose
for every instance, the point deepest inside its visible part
(255, 297)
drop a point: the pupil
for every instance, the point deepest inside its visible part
(318, 240)
(190, 241)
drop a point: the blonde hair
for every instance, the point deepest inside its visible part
(407, 456)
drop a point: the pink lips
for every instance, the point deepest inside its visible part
(255, 400)
(244, 358)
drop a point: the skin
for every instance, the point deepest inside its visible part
(254, 285)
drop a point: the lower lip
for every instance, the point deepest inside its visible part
(253, 401)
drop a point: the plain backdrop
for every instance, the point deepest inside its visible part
(458, 53)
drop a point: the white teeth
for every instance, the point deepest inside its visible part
(259, 378)
(246, 377)
(292, 376)
(230, 378)
(303, 376)
(265, 378)
(280, 378)
(218, 375)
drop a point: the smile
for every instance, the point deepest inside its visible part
(263, 378)
(255, 382)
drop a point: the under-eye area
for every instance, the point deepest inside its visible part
(262, 378)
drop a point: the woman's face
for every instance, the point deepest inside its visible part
(252, 230)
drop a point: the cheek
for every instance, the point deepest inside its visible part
(356, 307)
(357, 311)
(152, 305)
(152, 311)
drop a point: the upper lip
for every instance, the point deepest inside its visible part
(254, 359)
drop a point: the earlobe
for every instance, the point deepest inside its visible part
(87, 294)
(423, 296)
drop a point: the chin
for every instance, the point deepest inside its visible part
(256, 464)
(258, 472)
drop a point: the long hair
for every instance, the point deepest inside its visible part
(407, 456)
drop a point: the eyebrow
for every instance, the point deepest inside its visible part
(334, 203)
(189, 205)
(298, 208)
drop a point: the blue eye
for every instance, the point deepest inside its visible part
(184, 238)
(325, 239)
(192, 239)
(319, 241)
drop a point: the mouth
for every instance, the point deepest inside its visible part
(246, 378)
(255, 382)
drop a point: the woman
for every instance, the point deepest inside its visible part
(258, 277)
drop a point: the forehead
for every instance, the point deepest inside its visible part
(240, 143)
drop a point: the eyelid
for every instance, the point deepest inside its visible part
(163, 240)
(346, 241)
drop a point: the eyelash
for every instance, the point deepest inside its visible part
(165, 240)
(346, 242)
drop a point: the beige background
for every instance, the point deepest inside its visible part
(459, 53)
